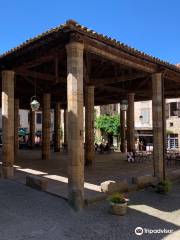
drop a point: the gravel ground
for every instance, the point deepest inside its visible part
(27, 214)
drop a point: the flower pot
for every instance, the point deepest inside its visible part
(118, 208)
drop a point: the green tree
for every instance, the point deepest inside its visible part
(108, 124)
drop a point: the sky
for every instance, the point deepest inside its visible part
(152, 26)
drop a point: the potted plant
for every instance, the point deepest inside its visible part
(163, 187)
(118, 204)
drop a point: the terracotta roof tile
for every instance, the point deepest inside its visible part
(75, 26)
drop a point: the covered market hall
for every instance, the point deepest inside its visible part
(74, 67)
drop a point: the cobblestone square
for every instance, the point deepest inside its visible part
(29, 214)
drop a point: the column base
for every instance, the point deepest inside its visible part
(7, 172)
(16, 152)
(45, 157)
(160, 176)
(76, 200)
(123, 148)
(57, 149)
(88, 163)
(88, 158)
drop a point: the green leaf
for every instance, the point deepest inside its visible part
(108, 124)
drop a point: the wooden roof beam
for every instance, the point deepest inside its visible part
(38, 75)
(121, 92)
(129, 77)
(172, 75)
(35, 62)
(120, 57)
(47, 57)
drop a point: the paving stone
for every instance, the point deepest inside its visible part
(37, 182)
(175, 175)
(143, 181)
(27, 214)
(114, 186)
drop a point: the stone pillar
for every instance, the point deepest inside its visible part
(57, 127)
(46, 127)
(158, 125)
(123, 130)
(130, 123)
(16, 125)
(89, 125)
(65, 126)
(164, 134)
(7, 124)
(75, 124)
(32, 129)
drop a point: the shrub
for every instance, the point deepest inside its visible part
(164, 187)
(117, 198)
(108, 124)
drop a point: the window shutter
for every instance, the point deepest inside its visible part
(167, 110)
(178, 108)
(173, 108)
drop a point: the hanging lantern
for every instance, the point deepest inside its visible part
(124, 105)
(34, 103)
(34, 100)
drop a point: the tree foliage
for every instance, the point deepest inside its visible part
(108, 124)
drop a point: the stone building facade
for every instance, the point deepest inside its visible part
(24, 121)
(143, 121)
(110, 109)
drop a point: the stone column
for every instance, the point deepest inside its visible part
(164, 133)
(32, 129)
(46, 127)
(7, 124)
(130, 123)
(16, 125)
(57, 127)
(89, 125)
(75, 124)
(123, 130)
(65, 126)
(158, 125)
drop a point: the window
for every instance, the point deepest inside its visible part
(172, 141)
(178, 109)
(145, 115)
(173, 108)
(171, 124)
(38, 118)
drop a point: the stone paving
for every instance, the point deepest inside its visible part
(27, 214)
(105, 167)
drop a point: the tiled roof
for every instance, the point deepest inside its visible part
(71, 24)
